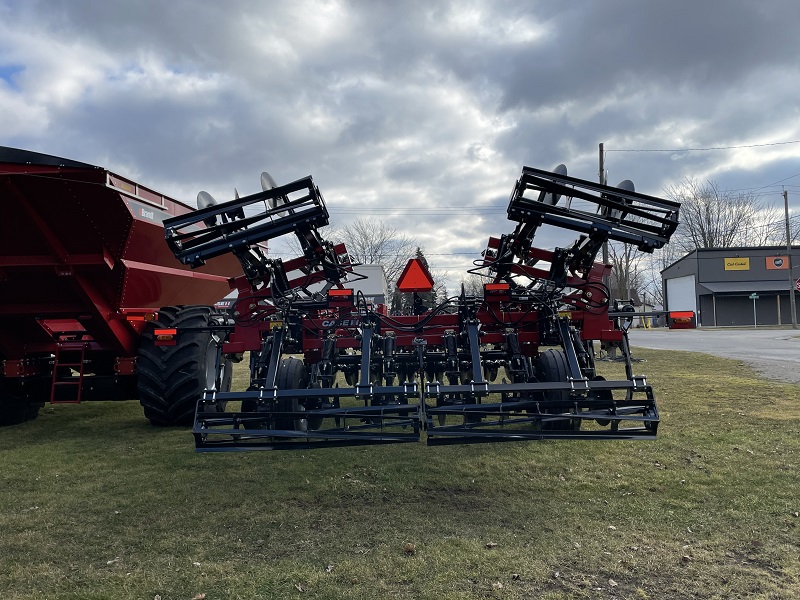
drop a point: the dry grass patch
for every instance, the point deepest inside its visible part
(95, 503)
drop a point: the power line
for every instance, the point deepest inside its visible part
(779, 181)
(704, 149)
(754, 189)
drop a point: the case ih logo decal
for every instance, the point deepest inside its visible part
(330, 323)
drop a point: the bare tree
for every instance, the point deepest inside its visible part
(371, 241)
(778, 231)
(769, 229)
(714, 218)
(626, 274)
(440, 277)
(651, 268)
(473, 284)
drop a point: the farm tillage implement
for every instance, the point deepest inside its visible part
(328, 368)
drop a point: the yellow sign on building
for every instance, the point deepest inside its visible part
(737, 264)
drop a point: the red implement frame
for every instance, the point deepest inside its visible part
(83, 265)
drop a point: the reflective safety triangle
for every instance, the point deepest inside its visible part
(415, 277)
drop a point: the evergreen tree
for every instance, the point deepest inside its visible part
(428, 299)
(403, 303)
(398, 302)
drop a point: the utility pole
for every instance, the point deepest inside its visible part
(789, 256)
(601, 173)
(602, 178)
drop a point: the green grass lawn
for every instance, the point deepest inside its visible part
(96, 503)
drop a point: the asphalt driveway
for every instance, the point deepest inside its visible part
(775, 353)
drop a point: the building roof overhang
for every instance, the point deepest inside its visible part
(745, 287)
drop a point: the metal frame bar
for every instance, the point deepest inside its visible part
(193, 245)
(658, 218)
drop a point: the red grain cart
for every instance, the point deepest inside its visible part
(83, 270)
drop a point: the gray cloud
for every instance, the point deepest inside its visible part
(404, 106)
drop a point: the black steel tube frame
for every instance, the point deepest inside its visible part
(624, 216)
(488, 421)
(233, 231)
(531, 410)
(530, 419)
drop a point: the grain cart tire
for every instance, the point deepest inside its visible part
(552, 366)
(15, 408)
(292, 375)
(172, 378)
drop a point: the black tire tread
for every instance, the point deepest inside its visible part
(14, 410)
(552, 366)
(292, 375)
(172, 378)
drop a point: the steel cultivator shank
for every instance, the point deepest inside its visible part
(518, 363)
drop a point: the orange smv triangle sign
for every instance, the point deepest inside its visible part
(415, 277)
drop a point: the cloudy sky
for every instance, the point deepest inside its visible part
(418, 113)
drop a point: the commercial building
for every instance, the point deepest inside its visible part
(734, 286)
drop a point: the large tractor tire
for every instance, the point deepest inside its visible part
(173, 378)
(16, 408)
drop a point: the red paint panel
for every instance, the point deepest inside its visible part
(63, 238)
(148, 285)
